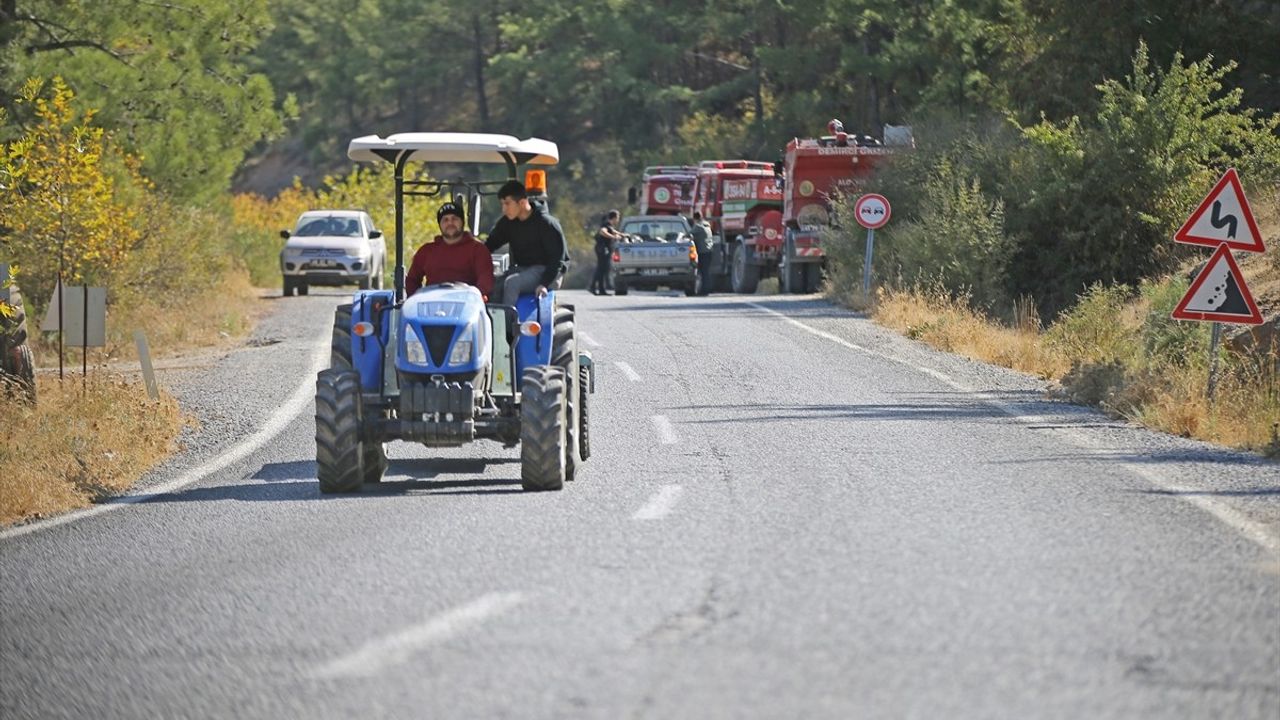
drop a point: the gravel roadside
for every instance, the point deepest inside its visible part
(231, 394)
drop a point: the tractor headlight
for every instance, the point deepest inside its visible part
(413, 350)
(461, 352)
(462, 348)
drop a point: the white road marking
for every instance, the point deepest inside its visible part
(660, 504)
(590, 341)
(277, 422)
(627, 370)
(666, 433)
(378, 655)
(1254, 531)
(852, 346)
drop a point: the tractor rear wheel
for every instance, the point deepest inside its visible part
(375, 461)
(339, 455)
(340, 345)
(543, 431)
(564, 355)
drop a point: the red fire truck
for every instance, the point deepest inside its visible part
(666, 190)
(817, 170)
(766, 223)
(742, 200)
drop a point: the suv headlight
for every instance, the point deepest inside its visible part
(413, 350)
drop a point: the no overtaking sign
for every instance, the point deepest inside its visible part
(872, 211)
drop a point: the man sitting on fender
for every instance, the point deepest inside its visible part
(454, 256)
(539, 254)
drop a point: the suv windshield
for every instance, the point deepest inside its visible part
(337, 226)
(654, 228)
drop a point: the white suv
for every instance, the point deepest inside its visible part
(332, 247)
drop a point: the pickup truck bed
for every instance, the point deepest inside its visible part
(645, 263)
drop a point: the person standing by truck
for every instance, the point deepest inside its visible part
(539, 253)
(701, 232)
(606, 236)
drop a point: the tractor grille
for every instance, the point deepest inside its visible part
(439, 338)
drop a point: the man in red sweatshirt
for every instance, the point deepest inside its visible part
(454, 256)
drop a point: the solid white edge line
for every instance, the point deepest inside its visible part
(666, 433)
(627, 370)
(660, 503)
(276, 423)
(377, 655)
(1253, 531)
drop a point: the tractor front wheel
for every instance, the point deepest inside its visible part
(543, 432)
(339, 455)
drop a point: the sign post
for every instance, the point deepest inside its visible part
(872, 212)
(79, 316)
(1219, 294)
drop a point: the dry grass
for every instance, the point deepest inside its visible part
(950, 324)
(74, 448)
(77, 446)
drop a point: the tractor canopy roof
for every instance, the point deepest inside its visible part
(454, 148)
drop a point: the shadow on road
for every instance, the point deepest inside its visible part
(290, 481)
(794, 309)
(961, 409)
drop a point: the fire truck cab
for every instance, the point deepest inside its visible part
(742, 200)
(667, 190)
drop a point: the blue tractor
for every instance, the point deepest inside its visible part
(443, 368)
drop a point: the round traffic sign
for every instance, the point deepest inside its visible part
(872, 211)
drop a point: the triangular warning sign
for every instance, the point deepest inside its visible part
(1219, 294)
(1223, 217)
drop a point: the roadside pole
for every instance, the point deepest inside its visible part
(866, 263)
(872, 211)
(1214, 337)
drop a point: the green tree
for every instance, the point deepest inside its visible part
(169, 78)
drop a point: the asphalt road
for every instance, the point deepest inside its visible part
(790, 513)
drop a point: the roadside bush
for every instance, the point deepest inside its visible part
(948, 224)
(1098, 199)
(1097, 329)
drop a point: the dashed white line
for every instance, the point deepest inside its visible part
(666, 433)
(273, 426)
(627, 370)
(382, 653)
(590, 341)
(660, 504)
(1254, 531)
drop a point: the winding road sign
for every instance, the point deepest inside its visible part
(1223, 217)
(1219, 294)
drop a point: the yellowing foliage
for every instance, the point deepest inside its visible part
(58, 194)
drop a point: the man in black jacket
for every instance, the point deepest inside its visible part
(539, 253)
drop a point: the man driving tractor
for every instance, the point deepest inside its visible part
(454, 256)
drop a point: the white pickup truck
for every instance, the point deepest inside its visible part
(659, 252)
